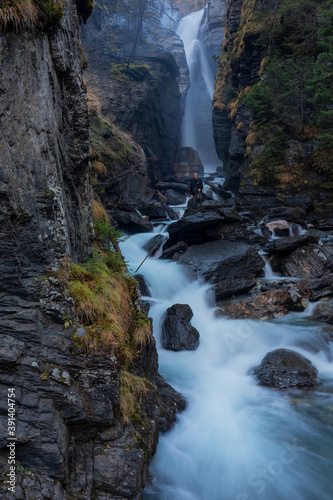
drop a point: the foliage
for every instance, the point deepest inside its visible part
(133, 390)
(293, 96)
(122, 72)
(22, 14)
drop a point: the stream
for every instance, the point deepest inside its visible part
(236, 440)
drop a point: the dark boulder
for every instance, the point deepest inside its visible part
(288, 214)
(174, 198)
(187, 162)
(289, 244)
(158, 211)
(153, 244)
(180, 187)
(323, 312)
(131, 222)
(178, 248)
(315, 289)
(311, 261)
(220, 260)
(284, 368)
(235, 232)
(232, 287)
(171, 403)
(143, 285)
(177, 332)
(266, 305)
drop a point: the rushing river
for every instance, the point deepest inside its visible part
(237, 440)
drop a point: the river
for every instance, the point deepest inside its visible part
(236, 440)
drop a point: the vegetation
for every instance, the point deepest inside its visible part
(16, 15)
(123, 73)
(292, 99)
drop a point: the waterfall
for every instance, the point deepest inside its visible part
(236, 440)
(197, 126)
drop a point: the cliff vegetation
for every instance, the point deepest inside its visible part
(277, 65)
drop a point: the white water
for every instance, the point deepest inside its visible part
(237, 440)
(197, 127)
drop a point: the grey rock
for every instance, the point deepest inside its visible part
(178, 248)
(323, 312)
(311, 261)
(232, 287)
(288, 245)
(284, 368)
(153, 244)
(220, 260)
(143, 285)
(177, 332)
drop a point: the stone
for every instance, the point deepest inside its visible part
(323, 312)
(284, 368)
(311, 261)
(177, 332)
(220, 260)
(266, 305)
(178, 248)
(232, 287)
(143, 285)
(280, 224)
(186, 163)
(158, 211)
(132, 222)
(315, 289)
(175, 198)
(153, 244)
(288, 245)
(80, 332)
(171, 403)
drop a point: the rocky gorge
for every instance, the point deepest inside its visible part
(233, 298)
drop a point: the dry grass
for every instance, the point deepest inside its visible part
(99, 211)
(99, 168)
(17, 13)
(141, 335)
(133, 390)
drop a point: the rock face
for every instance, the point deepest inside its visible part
(284, 368)
(149, 106)
(69, 429)
(211, 31)
(267, 305)
(323, 312)
(177, 332)
(311, 261)
(220, 260)
(186, 163)
(288, 245)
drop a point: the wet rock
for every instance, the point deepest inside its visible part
(315, 289)
(131, 222)
(323, 312)
(220, 260)
(235, 232)
(288, 214)
(180, 187)
(186, 163)
(172, 402)
(232, 287)
(175, 198)
(267, 305)
(312, 261)
(284, 368)
(154, 244)
(157, 211)
(178, 248)
(143, 285)
(288, 245)
(177, 332)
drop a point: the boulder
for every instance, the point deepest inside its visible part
(311, 261)
(172, 402)
(187, 162)
(235, 232)
(143, 285)
(154, 243)
(288, 214)
(177, 332)
(315, 289)
(191, 229)
(220, 260)
(231, 287)
(277, 226)
(323, 312)
(174, 198)
(266, 305)
(284, 368)
(288, 245)
(158, 211)
(180, 187)
(178, 248)
(132, 222)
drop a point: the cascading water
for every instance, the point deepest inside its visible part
(237, 440)
(197, 127)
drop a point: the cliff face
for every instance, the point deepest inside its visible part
(271, 105)
(147, 102)
(72, 438)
